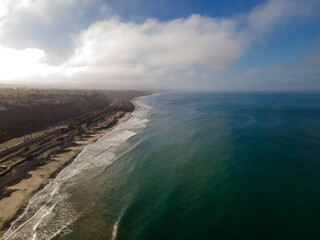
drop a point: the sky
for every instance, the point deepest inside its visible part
(222, 45)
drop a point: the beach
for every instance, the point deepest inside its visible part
(23, 181)
(188, 166)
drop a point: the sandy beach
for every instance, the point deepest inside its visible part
(26, 179)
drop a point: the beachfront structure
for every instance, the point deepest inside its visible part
(14, 103)
(58, 101)
(47, 101)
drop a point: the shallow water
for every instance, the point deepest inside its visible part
(192, 166)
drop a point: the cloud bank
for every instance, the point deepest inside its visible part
(181, 53)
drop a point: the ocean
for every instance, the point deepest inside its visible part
(191, 165)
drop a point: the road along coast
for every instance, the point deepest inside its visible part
(43, 161)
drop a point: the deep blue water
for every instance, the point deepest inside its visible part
(206, 166)
(229, 166)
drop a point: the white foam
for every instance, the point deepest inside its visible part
(48, 211)
(115, 226)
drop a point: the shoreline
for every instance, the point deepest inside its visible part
(32, 176)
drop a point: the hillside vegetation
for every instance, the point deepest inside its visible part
(28, 110)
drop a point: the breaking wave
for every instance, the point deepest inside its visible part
(49, 212)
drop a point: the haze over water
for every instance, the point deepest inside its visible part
(192, 166)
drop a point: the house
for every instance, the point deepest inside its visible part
(59, 101)
(56, 101)
(47, 101)
(14, 103)
(3, 167)
(39, 102)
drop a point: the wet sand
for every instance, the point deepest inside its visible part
(23, 181)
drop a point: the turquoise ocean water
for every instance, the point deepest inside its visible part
(191, 166)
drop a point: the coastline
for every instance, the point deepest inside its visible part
(16, 194)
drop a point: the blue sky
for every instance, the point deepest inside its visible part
(134, 44)
(168, 10)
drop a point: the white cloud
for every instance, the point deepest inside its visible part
(17, 64)
(156, 49)
(45, 24)
(270, 14)
(118, 53)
